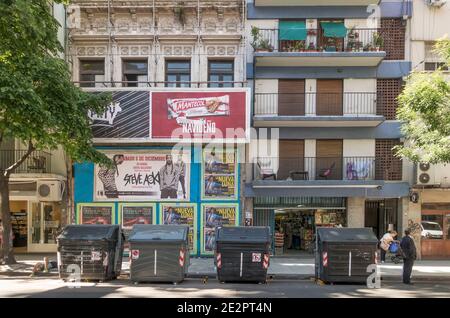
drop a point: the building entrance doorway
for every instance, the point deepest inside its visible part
(381, 216)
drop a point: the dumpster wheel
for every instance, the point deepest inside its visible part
(205, 280)
(320, 282)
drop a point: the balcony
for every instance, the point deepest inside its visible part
(38, 162)
(315, 2)
(290, 47)
(348, 109)
(326, 177)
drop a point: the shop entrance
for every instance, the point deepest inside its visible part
(381, 216)
(295, 229)
(35, 225)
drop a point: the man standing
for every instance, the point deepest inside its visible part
(182, 168)
(169, 177)
(108, 177)
(409, 256)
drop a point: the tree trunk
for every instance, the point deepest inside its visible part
(7, 253)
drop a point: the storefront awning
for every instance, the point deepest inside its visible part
(334, 29)
(292, 30)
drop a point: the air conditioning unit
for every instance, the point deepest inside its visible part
(435, 3)
(50, 190)
(433, 175)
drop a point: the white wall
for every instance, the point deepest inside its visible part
(355, 104)
(429, 23)
(267, 101)
(310, 102)
(261, 24)
(359, 148)
(360, 155)
(310, 152)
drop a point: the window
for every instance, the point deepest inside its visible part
(91, 72)
(432, 60)
(220, 73)
(432, 66)
(135, 73)
(178, 73)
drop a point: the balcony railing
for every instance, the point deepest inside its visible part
(356, 40)
(321, 168)
(37, 162)
(318, 104)
(184, 84)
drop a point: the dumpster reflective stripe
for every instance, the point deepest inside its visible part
(156, 257)
(219, 260)
(181, 258)
(350, 263)
(240, 270)
(325, 259)
(266, 261)
(376, 258)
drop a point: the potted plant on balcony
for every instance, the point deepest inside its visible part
(311, 47)
(264, 46)
(256, 37)
(299, 46)
(378, 41)
(368, 47)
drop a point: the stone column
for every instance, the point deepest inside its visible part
(355, 212)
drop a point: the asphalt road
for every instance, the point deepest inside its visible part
(194, 288)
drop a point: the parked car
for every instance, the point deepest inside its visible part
(432, 230)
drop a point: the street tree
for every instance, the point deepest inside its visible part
(40, 107)
(424, 109)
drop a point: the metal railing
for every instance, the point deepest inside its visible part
(37, 162)
(326, 104)
(315, 168)
(184, 84)
(355, 40)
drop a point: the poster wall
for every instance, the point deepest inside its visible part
(96, 213)
(135, 213)
(182, 214)
(213, 215)
(151, 175)
(219, 175)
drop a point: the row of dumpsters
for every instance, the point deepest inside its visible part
(160, 253)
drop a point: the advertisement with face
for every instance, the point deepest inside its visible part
(219, 171)
(151, 175)
(182, 214)
(214, 215)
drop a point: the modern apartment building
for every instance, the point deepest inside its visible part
(177, 74)
(430, 209)
(38, 196)
(325, 77)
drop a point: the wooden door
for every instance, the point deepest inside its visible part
(291, 153)
(291, 97)
(329, 159)
(329, 98)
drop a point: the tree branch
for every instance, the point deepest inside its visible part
(13, 167)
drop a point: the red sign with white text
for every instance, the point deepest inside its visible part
(191, 115)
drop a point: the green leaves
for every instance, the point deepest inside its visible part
(38, 100)
(424, 108)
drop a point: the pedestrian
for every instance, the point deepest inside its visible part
(385, 242)
(409, 253)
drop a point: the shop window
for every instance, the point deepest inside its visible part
(92, 73)
(178, 73)
(135, 73)
(220, 73)
(432, 226)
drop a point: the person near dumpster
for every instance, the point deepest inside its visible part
(409, 254)
(385, 242)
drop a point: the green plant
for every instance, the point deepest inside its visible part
(299, 46)
(256, 37)
(265, 45)
(378, 40)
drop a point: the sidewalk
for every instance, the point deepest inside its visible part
(280, 268)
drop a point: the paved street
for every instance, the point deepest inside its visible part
(193, 288)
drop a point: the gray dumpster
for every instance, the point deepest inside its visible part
(90, 251)
(344, 254)
(242, 253)
(159, 253)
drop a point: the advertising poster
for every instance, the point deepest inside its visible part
(219, 171)
(128, 116)
(153, 175)
(137, 213)
(199, 114)
(214, 215)
(182, 214)
(96, 213)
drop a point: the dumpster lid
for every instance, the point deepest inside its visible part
(90, 232)
(146, 232)
(346, 235)
(243, 234)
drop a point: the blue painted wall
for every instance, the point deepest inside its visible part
(84, 187)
